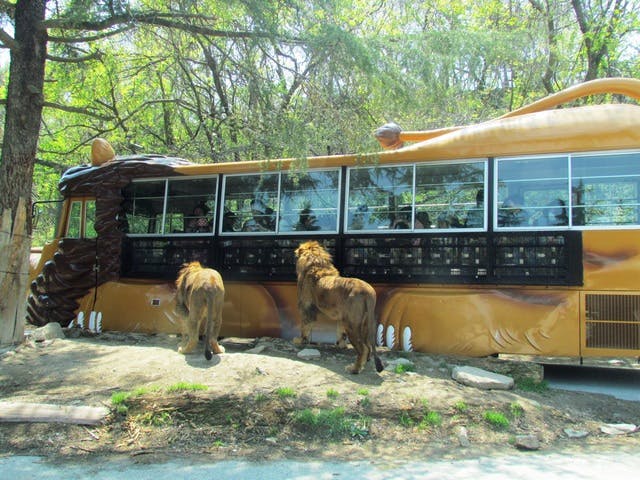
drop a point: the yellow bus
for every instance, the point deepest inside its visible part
(519, 235)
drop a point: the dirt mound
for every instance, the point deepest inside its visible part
(260, 400)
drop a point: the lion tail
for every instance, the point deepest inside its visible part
(208, 352)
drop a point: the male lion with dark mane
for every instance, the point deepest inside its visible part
(349, 301)
(200, 296)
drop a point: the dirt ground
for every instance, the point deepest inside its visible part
(259, 400)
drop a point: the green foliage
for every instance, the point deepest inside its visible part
(516, 410)
(402, 368)
(461, 406)
(286, 392)
(186, 387)
(333, 424)
(332, 393)
(529, 384)
(496, 419)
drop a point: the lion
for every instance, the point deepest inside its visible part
(200, 296)
(349, 301)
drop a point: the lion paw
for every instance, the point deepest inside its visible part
(353, 369)
(185, 350)
(217, 348)
(300, 341)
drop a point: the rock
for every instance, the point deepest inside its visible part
(309, 354)
(476, 377)
(49, 332)
(571, 433)
(618, 428)
(256, 350)
(527, 442)
(463, 437)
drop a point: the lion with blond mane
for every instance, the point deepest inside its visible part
(349, 301)
(200, 298)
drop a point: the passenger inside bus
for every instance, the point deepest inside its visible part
(261, 218)
(554, 214)
(511, 213)
(198, 222)
(229, 221)
(402, 220)
(307, 221)
(475, 216)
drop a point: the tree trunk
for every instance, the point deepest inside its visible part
(22, 127)
(14, 275)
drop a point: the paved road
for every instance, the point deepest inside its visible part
(521, 466)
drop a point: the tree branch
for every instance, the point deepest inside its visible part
(93, 38)
(7, 40)
(91, 56)
(157, 19)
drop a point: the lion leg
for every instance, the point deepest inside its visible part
(214, 330)
(190, 342)
(341, 335)
(362, 352)
(308, 315)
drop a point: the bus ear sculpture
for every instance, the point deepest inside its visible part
(101, 152)
(200, 297)
(351, 301)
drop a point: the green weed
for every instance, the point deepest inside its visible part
(186, 387)
(528, 384)
(333, 423)
(286, 392)
(496, 419)
(331, 393)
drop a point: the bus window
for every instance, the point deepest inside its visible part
(605, 189)
(144, 206)
(451, 195)
(81, 221)
(309, 201)
(252, 200)
(532, 192)
(90, 219)
(191, 204)
(376, 196)
(75, 220)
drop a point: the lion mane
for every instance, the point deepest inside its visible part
(200, 297)
(349, 301)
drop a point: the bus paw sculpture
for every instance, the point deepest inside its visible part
(518, 235)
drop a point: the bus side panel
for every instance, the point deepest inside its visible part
(249, 310)
(611, 259)
(481, 322)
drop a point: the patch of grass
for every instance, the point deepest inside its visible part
(155, 418)
(517, 410)
(186, 387)
(461, 406)
(333, 423)
(286, 392)
(119, 398)
(332, 393)
(260, 397)
(496, 419)
(363, 391)
(431, 419)
(402, 368)
(529, 384)
(406, 420)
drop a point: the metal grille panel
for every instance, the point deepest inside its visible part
(612, 321)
